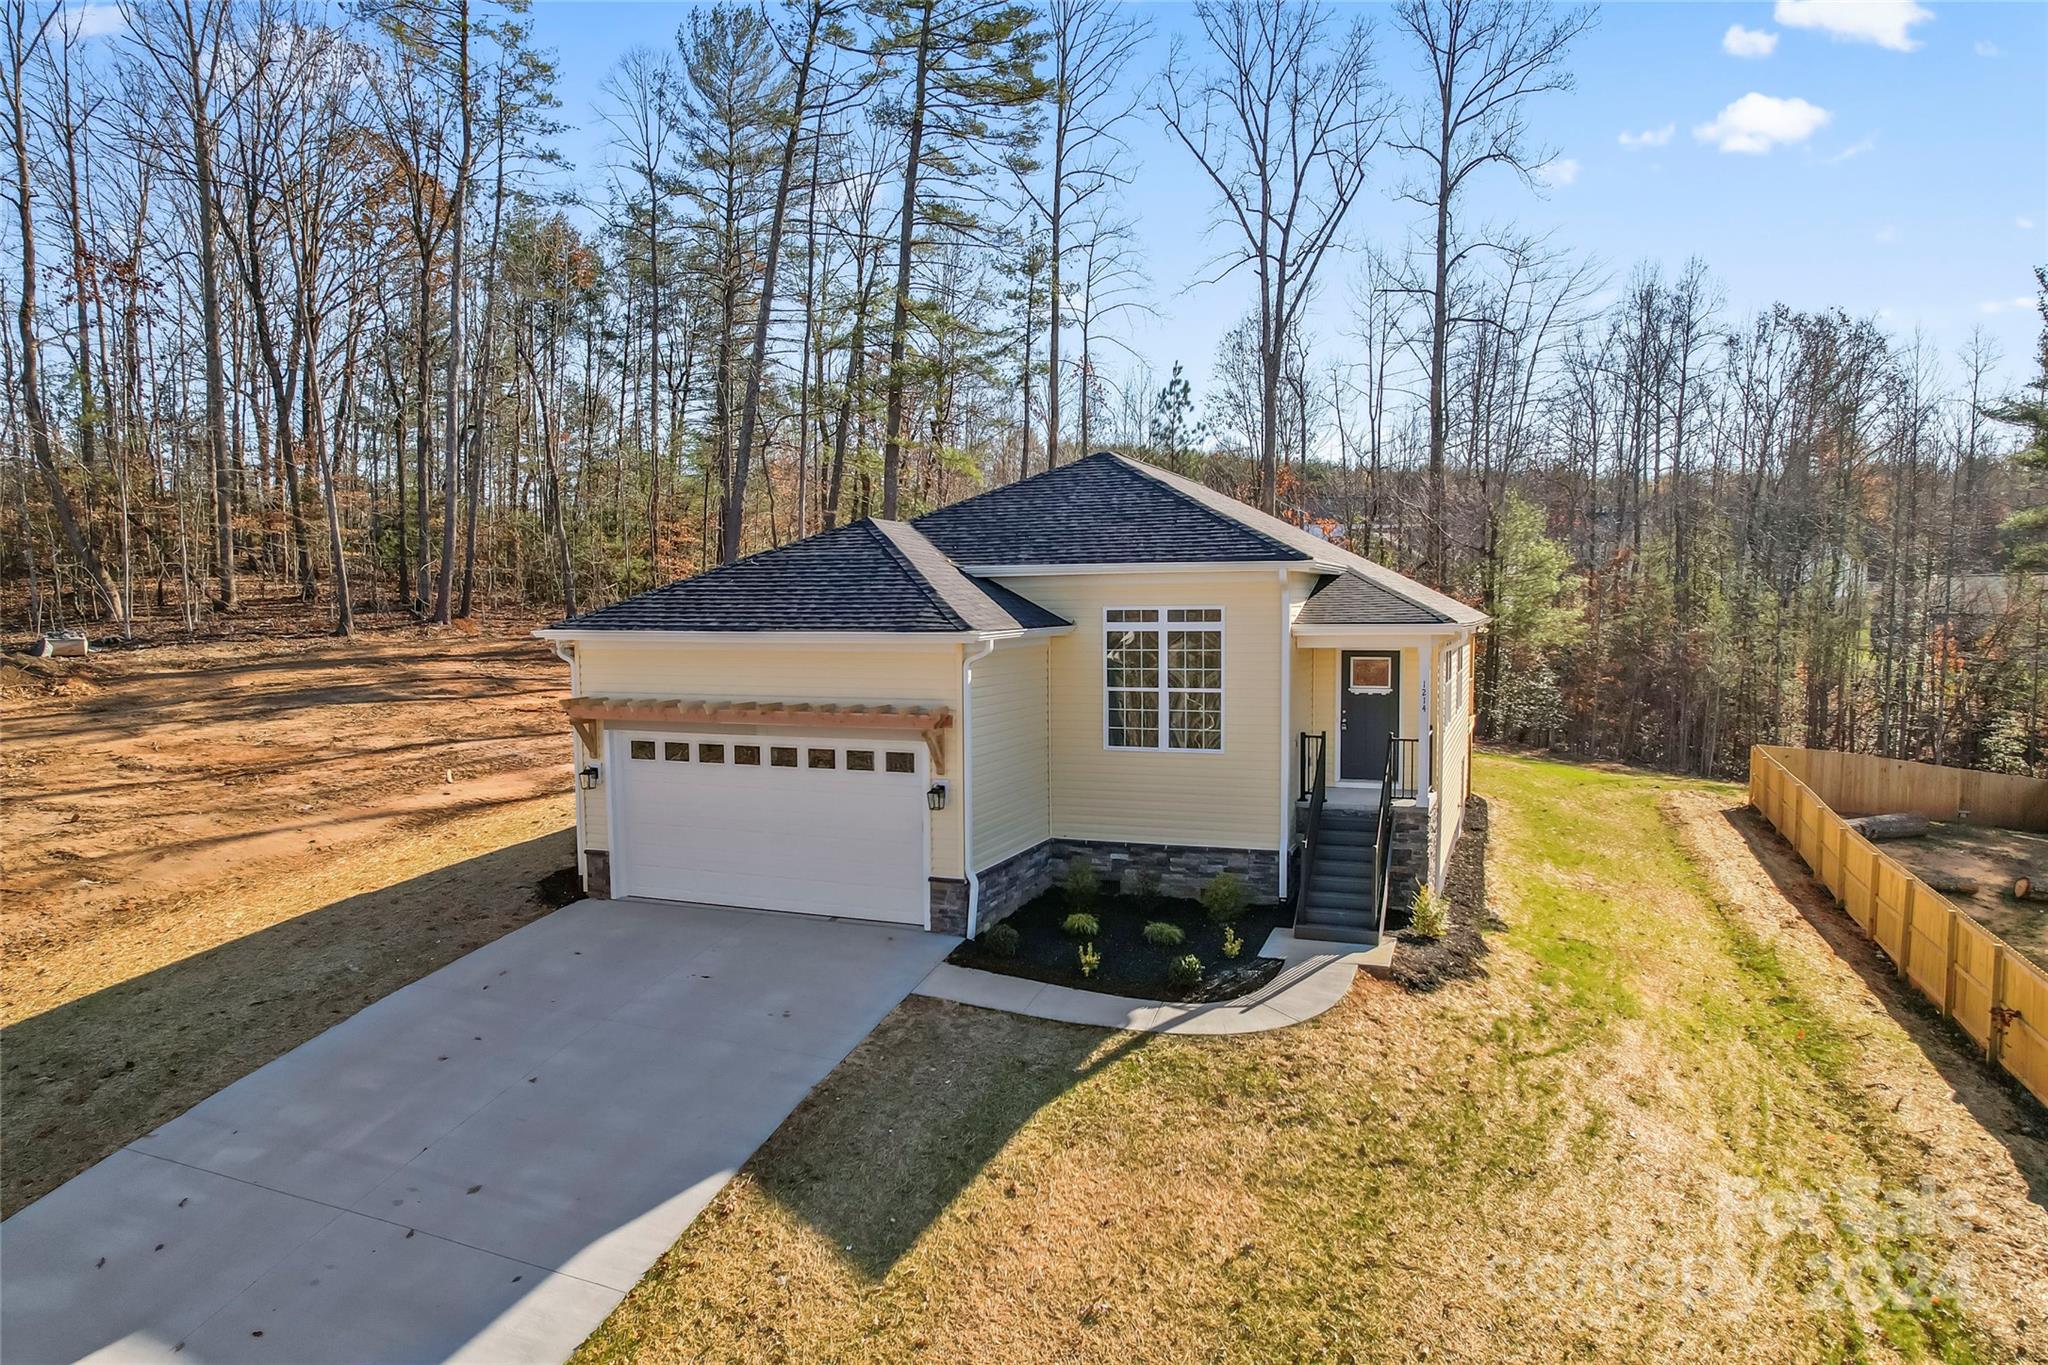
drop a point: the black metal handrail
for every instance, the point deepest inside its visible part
(1403, 767)
(1315, 821)
(1302, 768)
(1383, 835)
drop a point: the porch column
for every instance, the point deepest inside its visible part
(1424, 692)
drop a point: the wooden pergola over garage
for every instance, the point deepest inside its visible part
(588, 714)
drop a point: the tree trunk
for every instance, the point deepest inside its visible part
(735, 507)
(899, 332)
(31, 380)
(451, 425)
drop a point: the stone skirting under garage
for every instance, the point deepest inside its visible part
(949, 905)
(597, 874)
(1183, 870)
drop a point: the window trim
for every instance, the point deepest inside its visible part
(1160, 627)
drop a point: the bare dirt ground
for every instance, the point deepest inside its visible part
(211, 852)
(1983, 1140)
(1992, 858)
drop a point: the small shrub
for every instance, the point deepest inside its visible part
(1080, 884)
(1225, 897)
(1144, 889)
(1431, 915)
(1232, 944)
(1080, 925)
(1183, 972)
(1165, 934)
(1001, 939)
(1089, 959)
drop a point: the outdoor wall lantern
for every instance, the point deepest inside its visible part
(587, 779)
(936, 797)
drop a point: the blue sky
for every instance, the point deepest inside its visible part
(1904, 170)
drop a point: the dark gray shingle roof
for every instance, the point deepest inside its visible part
(1351, 599)
(867, 576)
(1099, 510)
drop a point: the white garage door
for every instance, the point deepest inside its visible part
(819, 825)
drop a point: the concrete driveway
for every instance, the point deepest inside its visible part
(476, 1167)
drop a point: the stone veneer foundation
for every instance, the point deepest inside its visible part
(1183, 870)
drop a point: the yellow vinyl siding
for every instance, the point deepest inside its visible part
(1011, 776)
(927, 676)
(1226, 799)
(1454, 750)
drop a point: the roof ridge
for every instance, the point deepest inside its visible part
(994, 489)
(931, 593)
(1382, 576)
(1160, 478)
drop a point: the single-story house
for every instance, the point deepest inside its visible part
(926, 721)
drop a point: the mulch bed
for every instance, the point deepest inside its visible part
(564, 886)
(1130, 964)
(1429, 964)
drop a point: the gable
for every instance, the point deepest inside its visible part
(867, 576)
(1097, 510)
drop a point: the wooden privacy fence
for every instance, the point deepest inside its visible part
(1974, 977)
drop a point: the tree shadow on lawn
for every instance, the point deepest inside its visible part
(907, 1122)
(85, 1078)
(1994, 1099)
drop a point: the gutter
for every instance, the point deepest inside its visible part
(1287, 720)
(967, 661)
(794, 639)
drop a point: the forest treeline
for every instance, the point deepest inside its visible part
(305, 308)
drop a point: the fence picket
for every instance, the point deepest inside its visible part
(1991, 991)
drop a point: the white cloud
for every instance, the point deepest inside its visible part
(1985, 49)
(1559, 173)
(2018, 303)
(1650, 137)
(95, 20)
(1888, 23)
(1756, 123)
(1748, 42)
(2023, 223)
(1854, 150)
(1886, 235)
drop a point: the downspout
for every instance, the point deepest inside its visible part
(967, 661)
(1286, 708)
(566, 651)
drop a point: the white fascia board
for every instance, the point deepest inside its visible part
(1335, 637)
(792, 639)
(1264, 566)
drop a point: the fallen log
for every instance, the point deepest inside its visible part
(1947, 882)
(2023, 888)
(1902, 825)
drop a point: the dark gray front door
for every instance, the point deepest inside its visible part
(1368, 712)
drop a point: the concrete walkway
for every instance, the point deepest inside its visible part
(476, 1167)
(1316, 977)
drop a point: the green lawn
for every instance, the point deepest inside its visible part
(1641, 1134)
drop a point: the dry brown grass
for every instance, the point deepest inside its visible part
(214, 852)
(1654, 1130)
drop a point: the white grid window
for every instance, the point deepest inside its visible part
(1163, 678)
